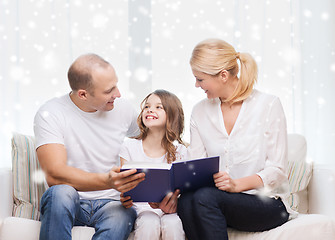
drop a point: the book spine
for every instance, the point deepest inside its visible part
(172, 184)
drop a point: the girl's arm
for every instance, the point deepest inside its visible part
(122, 161)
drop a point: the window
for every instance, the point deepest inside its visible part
(150, 42)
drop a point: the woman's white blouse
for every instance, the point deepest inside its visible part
(257, 143)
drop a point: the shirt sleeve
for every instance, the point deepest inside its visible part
(124, 151)
(197, 148)
(47, 128)
(133, 130)
(274, 174)
(181, 153)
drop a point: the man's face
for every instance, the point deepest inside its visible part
(104, 90)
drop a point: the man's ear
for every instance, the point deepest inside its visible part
(82, 94)
(224, 75)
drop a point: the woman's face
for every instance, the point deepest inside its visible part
(209, 83)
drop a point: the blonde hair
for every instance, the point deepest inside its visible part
(212, 56)
(174, 122)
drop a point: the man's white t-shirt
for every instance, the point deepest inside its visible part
(92, 139)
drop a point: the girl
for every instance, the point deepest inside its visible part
(161, 123)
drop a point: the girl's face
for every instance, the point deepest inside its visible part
(210, 84)
(154, 115)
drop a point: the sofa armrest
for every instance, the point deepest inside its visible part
(6, 190)
(321, 190)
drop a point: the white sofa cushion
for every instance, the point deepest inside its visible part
(305, 226)
(30, 230)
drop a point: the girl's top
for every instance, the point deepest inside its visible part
(132, 151)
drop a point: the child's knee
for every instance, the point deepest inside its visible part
(170, 221)
(148, 219)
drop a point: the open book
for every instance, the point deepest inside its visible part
(162, 178)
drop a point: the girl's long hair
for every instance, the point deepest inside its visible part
(174, 122)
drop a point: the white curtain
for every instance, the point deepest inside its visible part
(317, 101)
(39, 40)
(292, 41)
(150, 43)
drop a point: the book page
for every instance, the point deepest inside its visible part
(146, 165)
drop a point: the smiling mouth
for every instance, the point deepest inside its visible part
(150, 117)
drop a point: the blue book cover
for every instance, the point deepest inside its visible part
(194, 174)
(162, 178)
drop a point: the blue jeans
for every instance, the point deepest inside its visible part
(208, 212)
(61, 209)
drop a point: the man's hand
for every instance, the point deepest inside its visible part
(126, 201)
(124, 181)
(169, 203)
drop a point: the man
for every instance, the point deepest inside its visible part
(78, 138)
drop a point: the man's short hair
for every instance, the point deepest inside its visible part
(80, 71)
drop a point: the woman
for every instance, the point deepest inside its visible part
(247, 129)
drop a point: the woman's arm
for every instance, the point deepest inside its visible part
(224, 182)
(274, 173)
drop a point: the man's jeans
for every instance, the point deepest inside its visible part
(61, 209)
(208, 212)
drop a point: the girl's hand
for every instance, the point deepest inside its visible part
(126, 201)
(169, 203)
(224, 182)
(154, 205)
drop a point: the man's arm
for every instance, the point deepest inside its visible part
(53, 160)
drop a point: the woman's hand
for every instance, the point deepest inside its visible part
(224, 182)
(168, 204)
(126, 201)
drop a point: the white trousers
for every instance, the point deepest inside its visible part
(155, 225)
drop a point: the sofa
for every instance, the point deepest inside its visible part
(22, 186)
